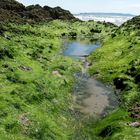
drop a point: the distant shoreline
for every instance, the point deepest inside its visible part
(115, 18)
(104, 14)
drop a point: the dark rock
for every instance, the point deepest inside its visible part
(119, 83)
(1, 32)
(62, 67)
(73, 34)
(12, 5)
(131, 71)
(63, 34)
(133, 24)
(6, 52)
(136, 116)
(12, 10)
(95, 31)
(8, 38)
(32, 7)
(108, 131)
(10, 126)
(5, 65)
(113, 35)
(59, 13)
(15, 80)
(50, 46)
(137, 79)
(130, 46)
(25, 68)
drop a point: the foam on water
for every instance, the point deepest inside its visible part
(113, 18)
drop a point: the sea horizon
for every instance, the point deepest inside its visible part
(115, 18)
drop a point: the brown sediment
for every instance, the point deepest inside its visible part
(95, 98)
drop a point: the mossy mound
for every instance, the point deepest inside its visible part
(118, 62)
(36, 81)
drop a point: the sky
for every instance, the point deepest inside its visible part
(80, 6)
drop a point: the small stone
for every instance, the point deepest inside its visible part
(135, 124)
(56, 73)
(55, 101)
(25, 68)
(24, 119)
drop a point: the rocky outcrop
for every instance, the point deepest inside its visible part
(11, 10)
(12, 5)
(131, 25)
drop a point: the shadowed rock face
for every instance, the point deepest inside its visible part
(12, 5)
(131, 25)
(59, 13)
(13, 10)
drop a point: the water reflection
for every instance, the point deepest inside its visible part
(79, 48)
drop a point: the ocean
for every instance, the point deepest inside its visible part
(115, 18)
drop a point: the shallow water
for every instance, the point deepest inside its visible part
(79, 48)
(91, 97)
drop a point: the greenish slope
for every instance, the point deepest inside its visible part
(118, 62)
(36, 80)
(35, 85)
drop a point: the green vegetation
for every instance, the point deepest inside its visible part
(35, 83)
(118, 62)
(36, 80)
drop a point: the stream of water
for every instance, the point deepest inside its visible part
(90, 96)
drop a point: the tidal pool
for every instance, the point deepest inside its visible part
(90, 96)
(79, 48)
